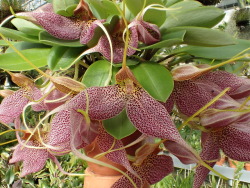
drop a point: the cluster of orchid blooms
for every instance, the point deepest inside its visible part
(75, 113)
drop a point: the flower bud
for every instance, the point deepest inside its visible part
(67, 85)
(187, 72)
(6, 92)
(21, 80)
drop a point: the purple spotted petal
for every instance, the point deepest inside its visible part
(59, 26)
(235, 141)
(224, 79)
(104, 102)
(241, 92)
(210, 151)
(151, 118)
(190, 97)
(151, 171)
(12, 106)
(182, 150)
(155, 168)
(88, 30)
(103, 46)
(148, 33)
(124, 182)
(33, 159)
(59, 135)
(105, 142)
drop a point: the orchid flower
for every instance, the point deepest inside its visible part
(13, 104)
(148, 115)
(239, 86)
(226, 130)
(139, 30)
(43, 145)
(80, 26)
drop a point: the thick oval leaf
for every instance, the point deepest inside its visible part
(18, 35)
(97, 74)
(46, 38)
(155, 79)
(168, 40)
(24, 46)
(13, 62)
(119, 126)
(65, 7)
(60, 57)
(200, 17)
(102, 9)
(26, 26)
(200, 36)
(223, 52)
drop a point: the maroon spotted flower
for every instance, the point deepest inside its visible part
(227, 130)
(148, 115)
(80, 26)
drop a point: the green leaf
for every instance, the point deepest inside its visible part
(26, 26)
(18, 35)
(119, 126)
(9, 176)
(4, 43)
(200, 36)
(46, 38)
(129, 62)
(155, 79)
(169, 3)
(200, 17)
(13, 62)
(168, 40)
(153, 16)
(65, 7)
(97, 74)
(102, 9)
(183, 6)
(60, 57)
(223, 52)
(25, 45)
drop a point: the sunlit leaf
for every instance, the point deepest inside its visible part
(223, 52)
(65, 7)
(12, 61)
(155, 79)
(26, 26)
(201, 17)
(200, 36)
(97, 74)
(18, 35)
(102, 9)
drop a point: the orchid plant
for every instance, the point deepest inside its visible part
(112, 74)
